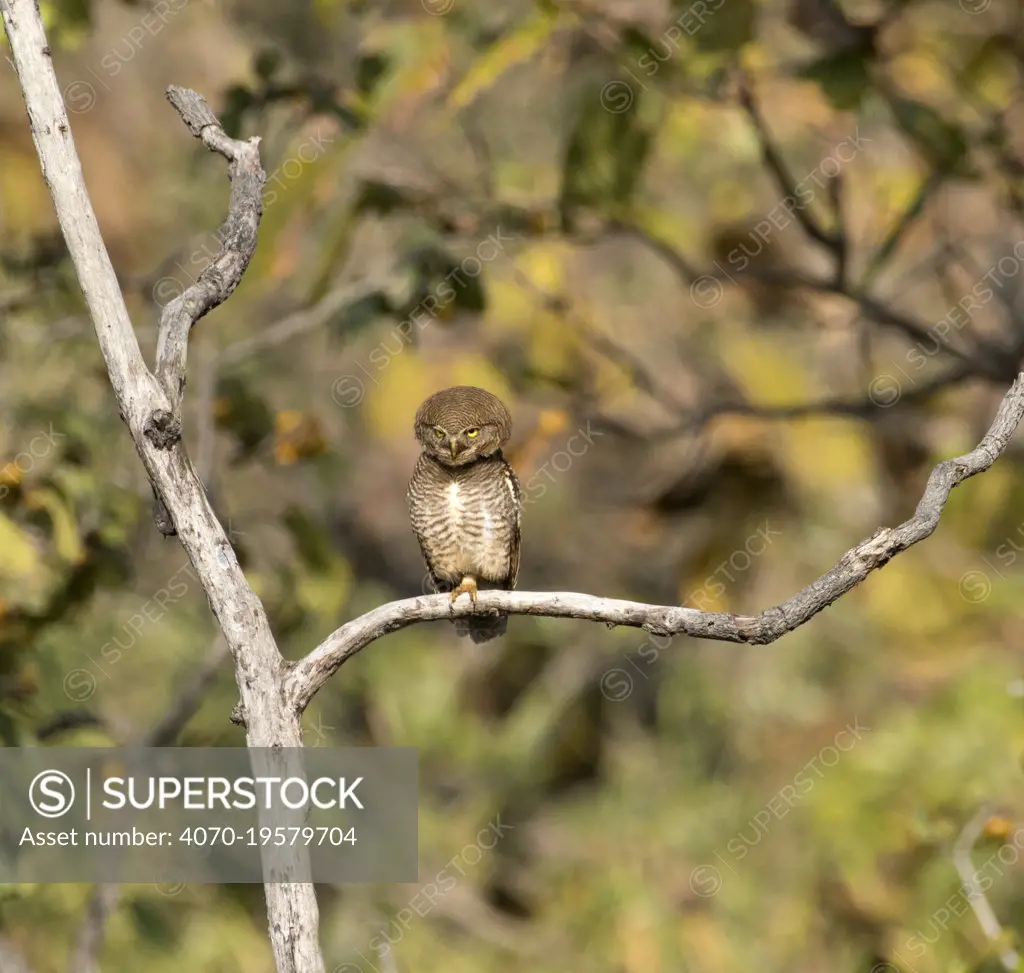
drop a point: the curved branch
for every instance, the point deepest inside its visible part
(237, 235)
(834, 241)
(975, 895)
(871, 307)
(307, 676)
(865, 408)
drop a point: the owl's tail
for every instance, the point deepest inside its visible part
(481, 628)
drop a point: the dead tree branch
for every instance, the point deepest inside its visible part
(149, 406)
(237, 236)
(831, 240)
(865, 408)
(979, 902)
(310, 673)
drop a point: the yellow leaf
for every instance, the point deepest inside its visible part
(730, 200)
(296, 435)
(885, 601)
(324, 594)
(10, 474)
(675, 229)
(764, 368)
(544, 265)
(827, 454)
(613, 384)
(554, 346)
(705, 593)
(822, 454)
(919, 74)
(21, 558)
(22, 194)
(66, 541)
(285, 454)
(552, 421)
(395, 390)
(998, 826)
(287, 421)
(510, 307)
(512, 49)
(895, 189)
(992, 72)
(639, 942)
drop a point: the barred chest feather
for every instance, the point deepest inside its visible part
(465, 517)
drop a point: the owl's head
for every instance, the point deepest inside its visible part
(459, 425)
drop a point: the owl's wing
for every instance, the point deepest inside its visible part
(512, 482)
(417, 518)
(439, 583)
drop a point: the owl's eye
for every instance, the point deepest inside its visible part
(472, 433)
(439, 433)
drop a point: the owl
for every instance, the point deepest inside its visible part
(464, 499)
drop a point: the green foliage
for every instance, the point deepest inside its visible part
(943, 143)
(67, 22)
(604, 155)
(844, 77)
(361, 313)
(726, 29)
(244, 413)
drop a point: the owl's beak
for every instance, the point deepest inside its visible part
(455, 448)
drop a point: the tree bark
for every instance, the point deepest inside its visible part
(150, 404)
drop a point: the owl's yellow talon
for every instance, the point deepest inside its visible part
(468, 586)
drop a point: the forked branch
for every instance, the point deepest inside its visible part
(149, 404)
(237, 238)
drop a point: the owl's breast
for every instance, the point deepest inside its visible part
(464, 522)
(456, 502)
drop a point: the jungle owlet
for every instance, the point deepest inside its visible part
(464, 499)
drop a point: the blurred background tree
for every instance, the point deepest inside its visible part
(580, 207)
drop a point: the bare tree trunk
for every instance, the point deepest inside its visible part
(150, 406)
